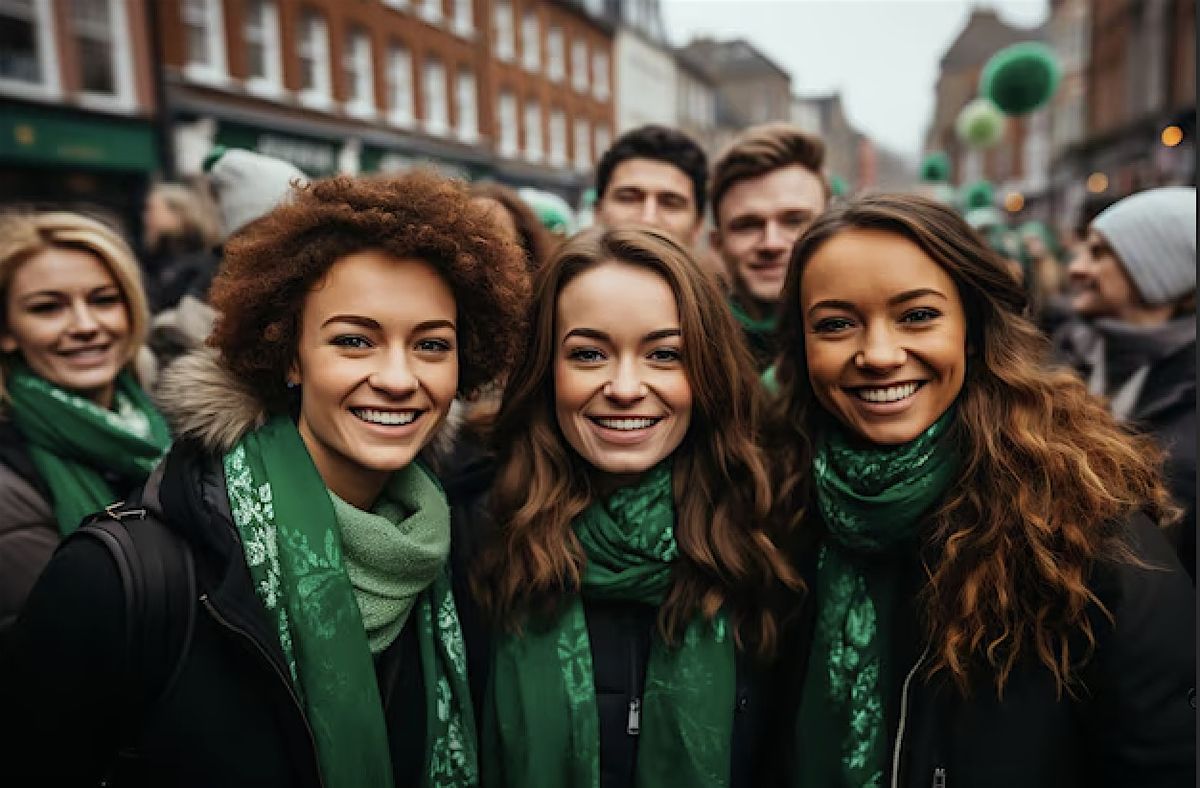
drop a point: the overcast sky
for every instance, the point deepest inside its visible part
(881, 54)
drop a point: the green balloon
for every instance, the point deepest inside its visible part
(980, 124)
(980, 194)
(1021, 77)
(935, 167)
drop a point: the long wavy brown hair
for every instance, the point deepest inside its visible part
(1047, 478)
(721, 480)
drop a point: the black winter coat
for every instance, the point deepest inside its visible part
(231, 717)
(620, 634)
(1132, 724)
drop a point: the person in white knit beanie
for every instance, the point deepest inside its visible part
(1133, 290)
(247, 185)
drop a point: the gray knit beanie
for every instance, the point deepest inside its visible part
(1154, 235)
(248, 185)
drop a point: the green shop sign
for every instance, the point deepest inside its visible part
(382, 160)
(316, 157)
(34, 136)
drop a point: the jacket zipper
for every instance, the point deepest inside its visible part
(939, 777)
(903, 721)
(244, 635)
(633, 724)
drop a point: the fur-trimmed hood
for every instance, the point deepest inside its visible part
(203, 401)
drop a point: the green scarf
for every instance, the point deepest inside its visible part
(291, 541)
(394, 552)
(542, 724)
(760, 334)
(872, 498)
(71, 438)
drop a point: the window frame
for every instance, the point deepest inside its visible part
(217, 71)
(320, 94)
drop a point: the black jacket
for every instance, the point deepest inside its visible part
(1131, 725)
(231, 717)
(620, 633)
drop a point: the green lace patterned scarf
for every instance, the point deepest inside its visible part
(541, 725)
(871, 498)
(293, 548)
(71, 438)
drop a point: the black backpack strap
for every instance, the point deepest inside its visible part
(159, 581)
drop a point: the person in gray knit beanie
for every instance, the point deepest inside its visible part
(247, 185)
(1154, 236)
(1133, 290)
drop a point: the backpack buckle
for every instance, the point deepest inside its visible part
(114, 511)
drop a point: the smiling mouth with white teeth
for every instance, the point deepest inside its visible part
(387, 418)
(625, 425)
(887, 393)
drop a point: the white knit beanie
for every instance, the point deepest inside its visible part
(1154, 235)
(248, 185)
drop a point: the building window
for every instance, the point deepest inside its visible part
(360, 77)
(313, 50)
(464, 17)
(400, 5)
(431, 11)
(534, 150)
(506, 112)
(556, 67)
(600, 75)
(26, 49)
(506, 45)
(437, 112)
(579, 66)
(531, 42)
(263, 52)
(603, 138)
(204, 27)
(466, 100)
(558, 137)
(583, 145)
(400, 86)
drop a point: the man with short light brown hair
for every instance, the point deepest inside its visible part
(767, 187)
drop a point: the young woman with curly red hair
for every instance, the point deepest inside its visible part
(630, 572)
(992, 603)
(323, 646)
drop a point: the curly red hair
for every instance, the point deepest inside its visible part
(272, 264)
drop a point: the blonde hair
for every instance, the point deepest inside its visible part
(23, 236)
(197, 213)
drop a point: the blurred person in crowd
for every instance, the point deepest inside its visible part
(628, 568)
(77, 432)
(246, 186)
(1043, 259)
(324, 647)
(990, 599)
(180, 231)
(654, 175)
(1133, 289)
(517, 219)
(767, 186)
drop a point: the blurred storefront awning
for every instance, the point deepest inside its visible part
(43, 136)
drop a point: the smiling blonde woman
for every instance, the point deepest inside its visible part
(76, 430)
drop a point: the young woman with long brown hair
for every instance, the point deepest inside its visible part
(630, 570)
(992, 603)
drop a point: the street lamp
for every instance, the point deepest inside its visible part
(1172, 136)
(1014, 202)
(1097, 182)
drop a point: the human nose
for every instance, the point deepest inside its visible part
(880, 350)
(774, 238)
(649, 210)
(1079, 265)
(626, 385)
(395, 375)
(82, 319)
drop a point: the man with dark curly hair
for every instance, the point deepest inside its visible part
(298, 541)
(655, 175)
